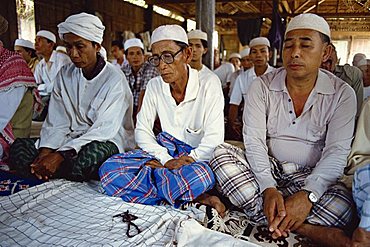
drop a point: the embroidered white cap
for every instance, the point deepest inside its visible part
(24, 43)
(47, 34)
(259, 41)
(61, 48)
(134, 42)
(245, 52)
(309, 21)
(169, 32)
(197, 34)
(233, 55)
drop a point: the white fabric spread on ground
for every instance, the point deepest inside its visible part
(64, 213)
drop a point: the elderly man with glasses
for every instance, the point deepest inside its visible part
(172, 167)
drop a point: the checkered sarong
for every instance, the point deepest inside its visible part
(361, 195)
(236, 181)
(126, 175)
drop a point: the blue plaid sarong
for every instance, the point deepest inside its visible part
(126, 175)
(361, 195)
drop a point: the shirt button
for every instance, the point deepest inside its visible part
(293, 122)
(289, 100)
(290, 112)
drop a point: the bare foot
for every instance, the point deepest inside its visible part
(212, 201)
(325, 236)
(360, 238)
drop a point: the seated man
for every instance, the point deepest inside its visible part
(199, 44)
(260, 55)
(137, 71)
(350, 74)
(48, 68)
(90, 116)
(27, 50)
(298, 127)
(17, 85)
(359, 166)
(172, 168)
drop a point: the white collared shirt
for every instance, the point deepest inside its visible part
(46, 72)
(242, 84)
(82, 111)
(205, 73)
(320, 138)
(198, 120)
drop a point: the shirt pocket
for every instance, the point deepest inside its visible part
(271, 125)
(92, 113)
(316, 133)
(193, 136)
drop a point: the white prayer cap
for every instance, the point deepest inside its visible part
(237, 55)
(134, 42)
(309, 21)
(169, 32)
(259, 41)
(103, 53)
(84, 25)
(197, 34)
(24, 43)
(245, 52)
(357, 58)
(47, 35)
(61, 48)
(363, 62)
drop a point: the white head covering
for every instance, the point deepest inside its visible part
(103, 53)
(357, 58)
(245, 52)
(259, 41)
(197, 34)
(309, 21)
(363, 62)
(61, 48)
(47, 35)
(232, 55)
(24, 43)
(135, 42)
(84, 25)
(169, 32)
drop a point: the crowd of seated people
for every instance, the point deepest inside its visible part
(304, 166)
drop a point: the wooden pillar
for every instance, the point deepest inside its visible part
(148, 18)
(206, 22)
(8, 10)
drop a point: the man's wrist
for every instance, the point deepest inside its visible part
(68, 154)
(311, 197)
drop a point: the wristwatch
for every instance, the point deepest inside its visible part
(311, 196)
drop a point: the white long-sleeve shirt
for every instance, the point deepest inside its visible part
(242, 84)
(198, 120)
(82, 111)
(46, 72)
(319, 138)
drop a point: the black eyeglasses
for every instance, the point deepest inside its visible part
(167, 57)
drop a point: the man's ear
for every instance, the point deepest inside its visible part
(328, 49)
(188, 54)
(97, 47)
(205, 51)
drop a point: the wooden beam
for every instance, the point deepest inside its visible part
(325, 15)
(302, 6)
(158, 2)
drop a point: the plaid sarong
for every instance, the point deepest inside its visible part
(361, 195)
(126, 175)
(236, 181)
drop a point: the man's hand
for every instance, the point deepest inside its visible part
(43, 152)
(297, 207)
(177, 163)
(154, 164)
(45, 167)
(274, 209)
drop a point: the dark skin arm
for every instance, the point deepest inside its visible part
(274, 209)
(171, 164)
(46, 164)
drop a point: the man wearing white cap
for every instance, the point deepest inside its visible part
(90, 115)
(298, 126)
(199, 44)
(364, 66)
(260, 55)
(172, 167)
(137, 71)
(357, 58)
(27, 50)
(118, 53)
(48, 68)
